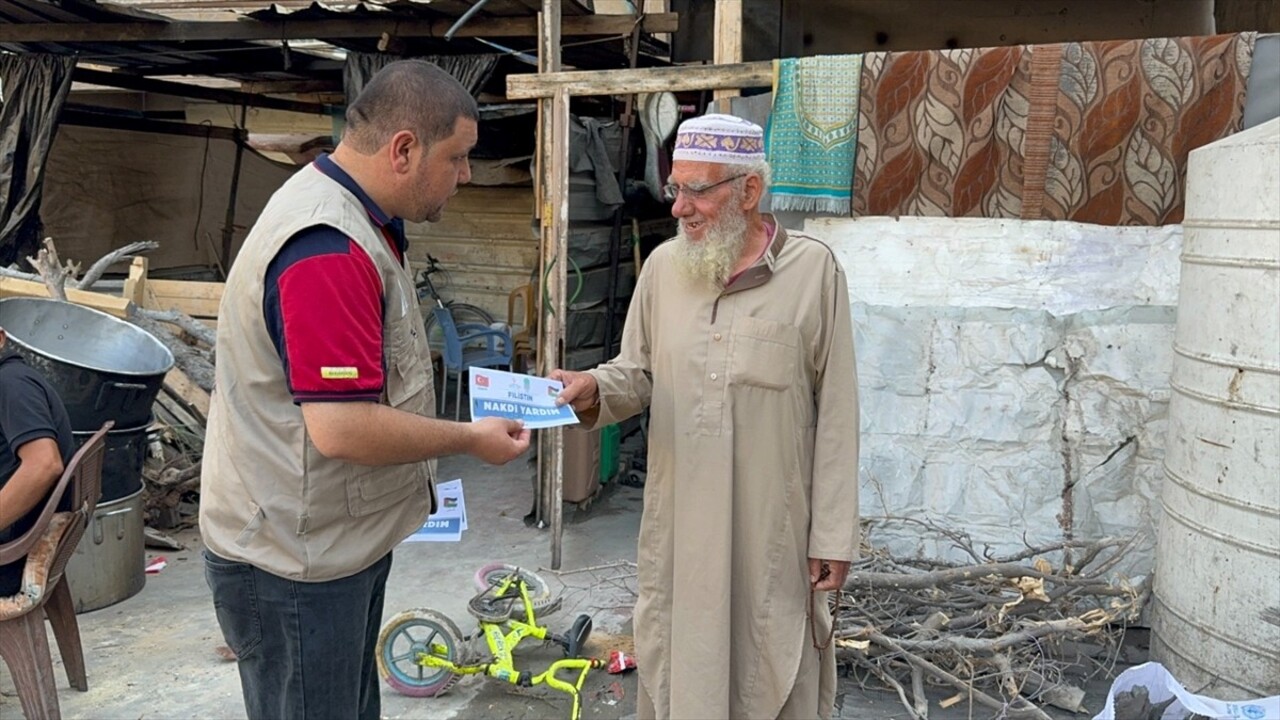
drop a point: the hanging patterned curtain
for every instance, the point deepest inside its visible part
(1095, 132)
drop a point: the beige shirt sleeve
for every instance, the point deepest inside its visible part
(626, 382)
(833, 529)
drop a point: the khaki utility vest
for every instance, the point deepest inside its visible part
(267, 496)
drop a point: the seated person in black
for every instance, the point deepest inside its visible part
(35, 445)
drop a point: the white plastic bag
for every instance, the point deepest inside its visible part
(1161, 686)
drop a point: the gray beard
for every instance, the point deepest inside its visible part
(711, 260)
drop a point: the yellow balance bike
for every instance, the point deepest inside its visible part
(421, 652)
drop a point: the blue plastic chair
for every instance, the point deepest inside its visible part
(459, 352)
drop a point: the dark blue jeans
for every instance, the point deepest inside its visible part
(305, 650)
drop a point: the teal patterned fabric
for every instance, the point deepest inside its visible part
(813, 132)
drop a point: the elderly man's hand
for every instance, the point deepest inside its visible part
(827, 574)
(580, 389)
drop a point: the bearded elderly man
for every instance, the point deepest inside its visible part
(740, 342)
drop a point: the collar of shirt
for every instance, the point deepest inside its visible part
(762, 269)
(392, 228)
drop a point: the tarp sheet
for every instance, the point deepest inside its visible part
(34, 87)
(108, 188)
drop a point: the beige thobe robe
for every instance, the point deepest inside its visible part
(753, 469)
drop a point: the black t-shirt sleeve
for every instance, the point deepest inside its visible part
(24, 411)
(25, 415)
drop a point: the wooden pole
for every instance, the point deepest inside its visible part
(558, 234)
(542, 365)
(728, 48)
(553, 209)
(229, 222)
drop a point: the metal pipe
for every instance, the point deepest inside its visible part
(229, 223)
(448, 34)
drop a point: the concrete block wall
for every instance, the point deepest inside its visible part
(1014, 376)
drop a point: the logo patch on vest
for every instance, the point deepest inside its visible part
(339, 373)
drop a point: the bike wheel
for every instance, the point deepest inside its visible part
(544, 602)
(463, 314)
(407, 636)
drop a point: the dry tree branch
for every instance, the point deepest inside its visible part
(1041, 550)
(925, 618)
(127, 252)
(1122, 547)
(52, 271)
(957, 683)
(189, 325)
(889, 680)
(591, 568)
(952, 576)
(196, 363)
(174, 477)
(19, 275)
(917, 693)
(990, 647)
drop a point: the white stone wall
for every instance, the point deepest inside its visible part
(1014, 375)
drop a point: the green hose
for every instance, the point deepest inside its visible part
(546, 296)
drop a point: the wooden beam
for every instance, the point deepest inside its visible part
(110, 304)
(283, 87)
(135, 287)
(176, 89)
(194, 399)
(370, 27)
(243, 63)
(197, 299)
(83, 118)
(728, 49)
(645, 80)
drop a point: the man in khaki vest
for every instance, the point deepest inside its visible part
(739, 341)
(320, 450)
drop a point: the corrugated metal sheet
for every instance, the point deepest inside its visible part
(267, 60)
(600, 53)
(417, 8)
(241, 60)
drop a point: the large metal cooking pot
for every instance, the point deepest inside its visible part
(122, 463)
(104, 368)
(109, 564)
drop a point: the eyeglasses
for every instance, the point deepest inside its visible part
(671, 191)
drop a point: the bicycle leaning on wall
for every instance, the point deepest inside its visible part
(463, 313)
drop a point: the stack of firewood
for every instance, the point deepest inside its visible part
(995, 631)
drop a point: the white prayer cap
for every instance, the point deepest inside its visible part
(719, 139)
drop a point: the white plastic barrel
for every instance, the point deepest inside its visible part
(1216, 617)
